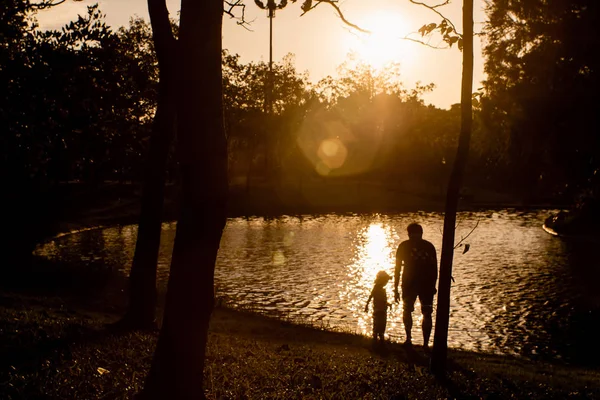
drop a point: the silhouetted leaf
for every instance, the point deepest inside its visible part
(306, 5)
(427, 29)
(452, 39)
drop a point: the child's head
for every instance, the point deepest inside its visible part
(382, 278)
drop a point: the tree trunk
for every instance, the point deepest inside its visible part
(142, 279)
(440, 340)
(177, 367)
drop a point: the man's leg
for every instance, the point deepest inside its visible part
(408, 300)
(426, 310)
(427, 324)
(407, 319)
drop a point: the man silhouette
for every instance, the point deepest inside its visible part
(419, 276)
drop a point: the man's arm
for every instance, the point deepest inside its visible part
(397, 271)
(434, 264)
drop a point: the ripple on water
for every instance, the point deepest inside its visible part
(514, 293)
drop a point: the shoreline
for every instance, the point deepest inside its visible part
(114, 203)
(126, 214)
(51, 348)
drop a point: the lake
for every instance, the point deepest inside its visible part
(518, 291)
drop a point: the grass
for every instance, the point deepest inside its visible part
(52, 350)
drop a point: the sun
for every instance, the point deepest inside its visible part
(384, 45)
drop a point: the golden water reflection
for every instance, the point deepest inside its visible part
(512, 289)
(374, 250)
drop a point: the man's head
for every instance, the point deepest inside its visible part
(415, 231)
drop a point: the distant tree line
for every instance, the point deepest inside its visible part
(76, 105)
(540, 102)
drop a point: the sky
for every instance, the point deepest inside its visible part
(321, 41)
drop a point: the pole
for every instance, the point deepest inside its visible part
(271, 6)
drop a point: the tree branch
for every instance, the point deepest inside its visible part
(458, 221)
(47, 4)
(465, 238)
(308, 6)
(241, 18)
(340, 14)
(434, 9)
(424, 43)
(161, 30)
(441, 4)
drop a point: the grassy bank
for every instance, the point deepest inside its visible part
(53, 349)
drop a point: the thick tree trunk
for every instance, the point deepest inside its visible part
(440, 340)
(142, 279)
(177, 368)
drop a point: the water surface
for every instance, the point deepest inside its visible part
(518, 291)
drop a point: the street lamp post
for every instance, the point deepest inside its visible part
(271, 141)
(271, 6)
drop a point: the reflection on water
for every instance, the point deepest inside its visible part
(518, 291)
(374, 251)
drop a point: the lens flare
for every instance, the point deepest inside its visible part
(332, 154)
(334, 149)
(278, 258)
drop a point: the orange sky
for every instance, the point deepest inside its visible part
(321, 41)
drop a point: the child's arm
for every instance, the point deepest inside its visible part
(368, 301)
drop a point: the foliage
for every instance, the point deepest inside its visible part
(252, 135)
(541, 91)
(89, 117)
(446, 30)
(78, 105)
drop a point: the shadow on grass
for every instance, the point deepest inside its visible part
(46, 307)
(47, 277)
(418, 361)
(93, 285)
(453, 388)
(34, 345)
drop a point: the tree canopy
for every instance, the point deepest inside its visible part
(540, 93)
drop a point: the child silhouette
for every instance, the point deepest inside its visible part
(380, 305)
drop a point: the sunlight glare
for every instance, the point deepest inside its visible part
(376, 253)
(383, 45)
